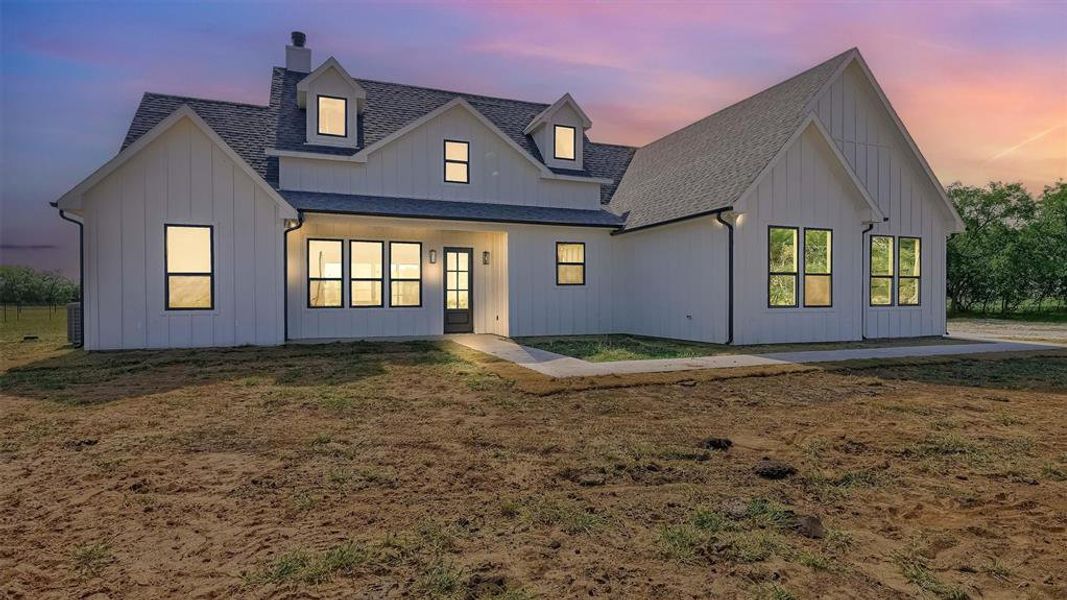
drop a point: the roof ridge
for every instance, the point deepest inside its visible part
(749, 97)
(201, 99)
(454, 92)
(615, 145)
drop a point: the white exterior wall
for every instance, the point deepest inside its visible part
(180, 178)
(489, 287)
(806, 188)
(672, 281)
(540, 307)
(413, 167)
(881, 158)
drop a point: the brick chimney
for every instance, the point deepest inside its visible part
(297, 57)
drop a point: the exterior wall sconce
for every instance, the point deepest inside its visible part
(485, 257)
(433, 257)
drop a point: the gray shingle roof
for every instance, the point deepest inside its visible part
(444, 209)
(707, 165)
(698, 169)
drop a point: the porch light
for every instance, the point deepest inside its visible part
(485, 257)
(433, 257)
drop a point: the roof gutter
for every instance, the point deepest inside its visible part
(706, 213)
(730, 279)
(81, 274)
(285, 271)
(615, 226)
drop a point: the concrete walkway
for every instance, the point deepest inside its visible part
(558, 365)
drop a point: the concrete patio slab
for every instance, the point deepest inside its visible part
(558, 365)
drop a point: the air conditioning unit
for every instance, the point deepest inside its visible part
(74, 324)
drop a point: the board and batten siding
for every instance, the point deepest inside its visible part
(182, 177)
(673, 281)
(808, 187)
(878, 153)
(489, 287)
(412, 166)
(540, 307)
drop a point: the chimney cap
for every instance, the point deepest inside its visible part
(299, 38)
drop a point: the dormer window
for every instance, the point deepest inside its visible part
(457, 161)
(333, 116)
(564, 142)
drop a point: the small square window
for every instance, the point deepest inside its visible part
(333, 116)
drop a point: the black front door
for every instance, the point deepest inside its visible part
(459, 303)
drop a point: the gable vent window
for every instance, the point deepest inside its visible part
(570, 263)
(324, 273)
(457, 161)
(564, 142)
(333, 116)
(189, 261)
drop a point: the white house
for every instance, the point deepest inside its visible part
(350, 208)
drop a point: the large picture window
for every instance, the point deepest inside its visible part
(366, 272)
(818, 267)
(564, 142)
(882, 270)
(325, 273)
(405, 274)
(570, 263)
(333, 116)
(189, 258)
(782, 266)
(457, 162)
(909, 264)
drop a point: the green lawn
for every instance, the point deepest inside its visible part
(49, 327)
(607, 348)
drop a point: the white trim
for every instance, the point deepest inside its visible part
(855, 56)
(812, 121)
(72, 200)
(543, 117)
(329, 63)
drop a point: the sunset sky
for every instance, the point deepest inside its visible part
(982, 87)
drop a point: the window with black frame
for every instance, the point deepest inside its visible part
(782, 274)
(882, 270)
(190, 271)
(325, 274)
(818, 267)
(405, 274)
(909, 266)
(366, 272)
(570, 263)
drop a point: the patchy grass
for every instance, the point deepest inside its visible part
(90, 559)
(608, 348)
(425, 469)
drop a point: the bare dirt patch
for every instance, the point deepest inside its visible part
(426, 470)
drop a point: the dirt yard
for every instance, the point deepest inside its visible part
(423, 470)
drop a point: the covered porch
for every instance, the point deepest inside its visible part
(363, 276)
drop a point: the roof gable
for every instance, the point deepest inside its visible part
(875, 214)
(72, 200)
(708, 165)
(854, 57)
(330, 64)
(544, 117)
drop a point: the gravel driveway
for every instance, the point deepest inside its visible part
(1055, 333)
